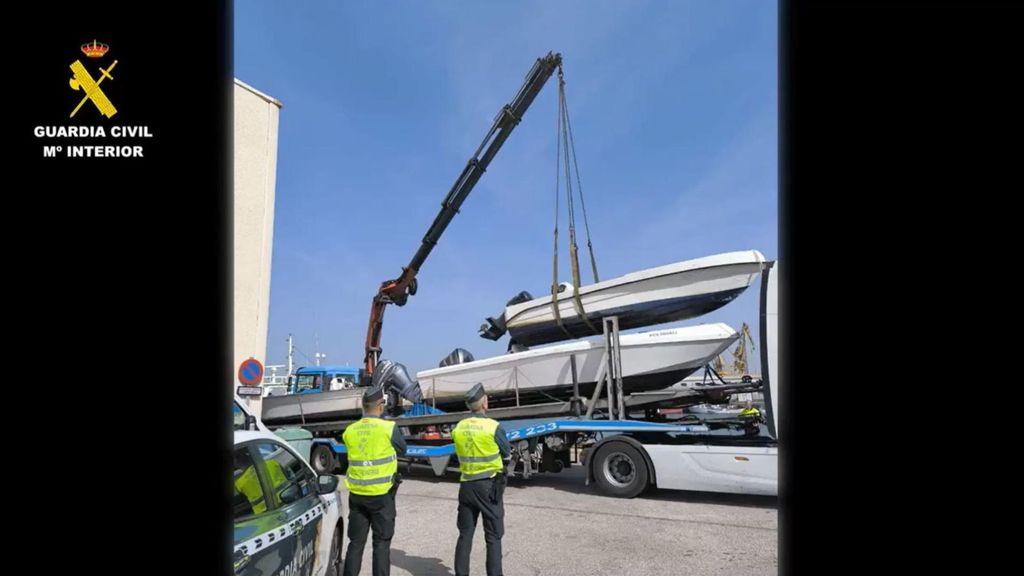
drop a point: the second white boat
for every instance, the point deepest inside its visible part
(650, 361)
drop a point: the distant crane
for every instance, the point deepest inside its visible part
(739, 355)
(739, 363)
(719, 364)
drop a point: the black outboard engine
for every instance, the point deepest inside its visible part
(458, 356)
(494, 328)
(395, 381)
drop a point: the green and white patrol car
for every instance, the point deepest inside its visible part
(287, 520)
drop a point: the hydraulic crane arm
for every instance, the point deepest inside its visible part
(398, 291)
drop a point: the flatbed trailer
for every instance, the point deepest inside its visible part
(622, 456)
(628, 456)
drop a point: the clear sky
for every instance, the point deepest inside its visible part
(674, 111)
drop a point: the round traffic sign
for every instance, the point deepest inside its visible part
(250, 372)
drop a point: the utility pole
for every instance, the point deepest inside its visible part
(291, 351)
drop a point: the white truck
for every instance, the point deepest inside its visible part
(623, 457)
(624, 463)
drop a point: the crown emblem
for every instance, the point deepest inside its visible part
(94, 50)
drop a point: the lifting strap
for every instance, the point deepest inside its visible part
(564, 138)
(554, 268)
(579, 184)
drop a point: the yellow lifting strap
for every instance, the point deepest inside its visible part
(554, 288)
(565, 141)
(576, 289)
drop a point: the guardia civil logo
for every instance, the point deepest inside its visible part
(91, 135)
(83, 81)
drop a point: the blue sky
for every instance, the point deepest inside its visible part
(674, 111)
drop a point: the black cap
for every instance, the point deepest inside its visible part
(373, 394)
(475, 393)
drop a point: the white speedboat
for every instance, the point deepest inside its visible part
(650, 361)
(648, 297)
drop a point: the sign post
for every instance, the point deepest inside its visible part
(250, 374)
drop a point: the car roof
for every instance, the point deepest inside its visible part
(242, 436)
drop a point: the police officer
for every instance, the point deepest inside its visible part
(750, 412)
(481, 445)
(374, 446)
(248, 483)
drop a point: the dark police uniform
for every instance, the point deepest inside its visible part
(373, 446)
(481, 446)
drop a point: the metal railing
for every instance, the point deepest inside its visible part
(275, 375)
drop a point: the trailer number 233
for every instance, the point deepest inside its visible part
(532, 431)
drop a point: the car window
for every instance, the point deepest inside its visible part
(238, 416)
(249, 498)
(285, 469)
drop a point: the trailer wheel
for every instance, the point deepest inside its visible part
(323, 459)
(620, 470)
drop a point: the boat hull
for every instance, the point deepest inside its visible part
(670, 293)
(638, 315)
(650, 361)
(316, 407)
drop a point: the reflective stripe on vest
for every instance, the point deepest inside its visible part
(376, 462)
(479, 458)
(478, 453)
(372, 461)
(370, 482)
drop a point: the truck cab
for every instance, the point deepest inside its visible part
(313, 379)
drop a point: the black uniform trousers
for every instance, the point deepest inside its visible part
(476, 498)
(365, 512)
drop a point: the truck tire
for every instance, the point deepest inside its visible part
(323, 460)
(620, 470)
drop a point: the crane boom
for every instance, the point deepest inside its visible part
(398, 291)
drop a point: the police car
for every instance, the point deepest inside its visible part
(287, 520)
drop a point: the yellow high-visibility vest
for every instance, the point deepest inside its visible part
(479, 456)
(372, 460)
(249, 484)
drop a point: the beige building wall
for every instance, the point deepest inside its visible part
(255, 173)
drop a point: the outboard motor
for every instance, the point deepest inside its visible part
(494, 328)
(458, 356)
(395, 380)
(523, 296)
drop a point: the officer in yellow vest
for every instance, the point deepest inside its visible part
(248, 483)
(481, 446)
(750, 412)
(373, 446)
